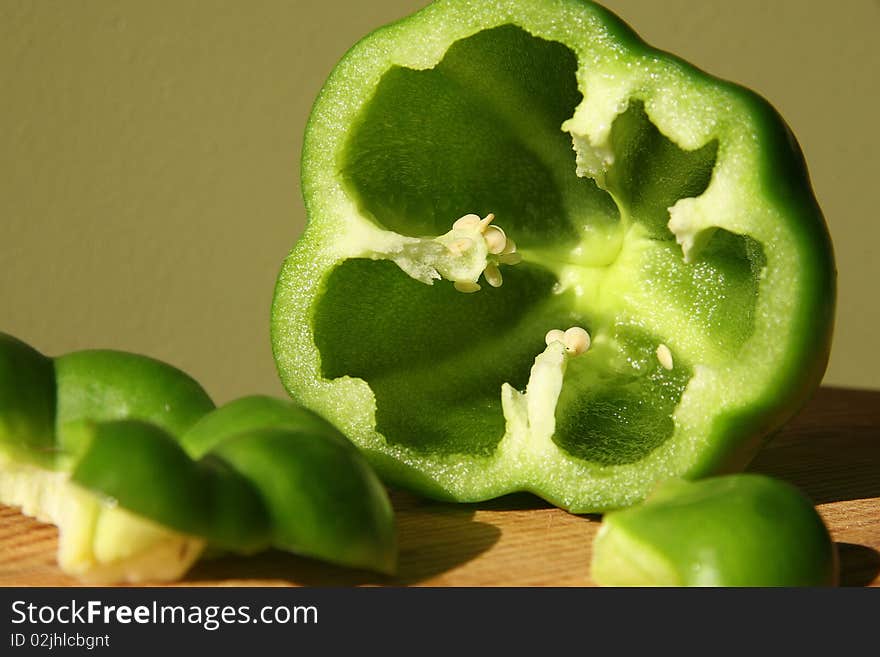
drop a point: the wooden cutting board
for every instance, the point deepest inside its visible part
(831, 451)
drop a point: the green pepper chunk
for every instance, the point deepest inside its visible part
(254, 413)
(27, 403)
(50, 411)
(737, 530)
(129, 457)
(664, 216)
(322, 498)
(253, 474)
(145, 471)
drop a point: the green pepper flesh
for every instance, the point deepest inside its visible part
(683, 217)
(737, 530)
(129, 457)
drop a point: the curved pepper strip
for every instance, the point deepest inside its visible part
(737, 530)
(665, 212)
(128, 456)
(259, 473)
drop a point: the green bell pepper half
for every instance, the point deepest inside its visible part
(665, 212)
(130, 458)
(735, 530)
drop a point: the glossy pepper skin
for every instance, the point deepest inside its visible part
(664, 211)
(131, 459)
(736, 530)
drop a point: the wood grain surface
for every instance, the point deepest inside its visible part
(831, 451)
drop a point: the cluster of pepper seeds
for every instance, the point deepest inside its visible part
(502, 250)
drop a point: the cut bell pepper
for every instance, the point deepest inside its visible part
(130, 459)
(665, 212)
(736, 530)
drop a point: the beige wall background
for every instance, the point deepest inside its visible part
(149, 159)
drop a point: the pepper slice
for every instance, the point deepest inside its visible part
(48, 409)
(129, 457)
(665, 212)
(736, 530)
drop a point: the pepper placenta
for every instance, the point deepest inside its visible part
(544, 256)
(735, 530)
(129, 457)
